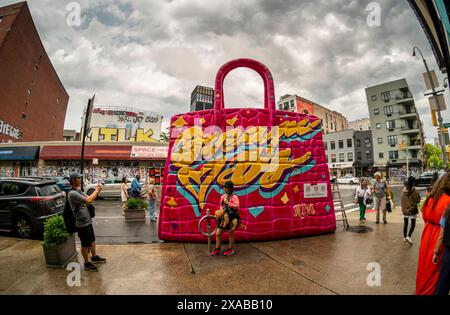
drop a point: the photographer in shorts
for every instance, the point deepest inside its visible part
(79, 202)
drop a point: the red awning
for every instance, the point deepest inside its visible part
(73, 152)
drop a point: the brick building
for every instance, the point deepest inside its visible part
(33, 101)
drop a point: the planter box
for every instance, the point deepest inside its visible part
(60, 255)
(135, 214)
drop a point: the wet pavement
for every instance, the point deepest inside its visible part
(111, 228)
(336, 263)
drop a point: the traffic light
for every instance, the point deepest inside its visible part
(433, 118)
(402, 145)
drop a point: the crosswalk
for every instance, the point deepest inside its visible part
(350, 207)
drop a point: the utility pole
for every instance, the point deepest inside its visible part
(86, 127)
(441, 135)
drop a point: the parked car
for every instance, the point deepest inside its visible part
(111, 187)
(424, 179)
(348, 179)
(62, 182)
(25, 204)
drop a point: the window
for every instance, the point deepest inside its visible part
(292, 104)
(341, 144)
(378, 126)
(388, 110)
(380, 140)
(381, 155)
(414, 154)
(376, 111)
(358, 143)
(326, 156)
(368, 155)
(393, 155)
(392, 140)
(374, 98)
(367, 142)
(333, 158)
(390, 124)
(386, 96)
(9, 189)
(331, 126)
(350, 157)
(333, 145)
(341, 157)
(325, 144)
(358, 156)
(349, 143)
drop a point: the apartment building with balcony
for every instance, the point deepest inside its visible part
(394, 119)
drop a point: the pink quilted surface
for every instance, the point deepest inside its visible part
(285, 193)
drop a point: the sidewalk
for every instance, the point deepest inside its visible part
(328, 264)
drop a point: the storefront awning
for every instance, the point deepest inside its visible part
(101, 152)
(19, 153)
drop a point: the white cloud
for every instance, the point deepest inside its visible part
(151, 54)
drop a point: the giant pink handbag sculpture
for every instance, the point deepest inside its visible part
(276, 160)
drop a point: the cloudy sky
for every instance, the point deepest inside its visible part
(151, 54)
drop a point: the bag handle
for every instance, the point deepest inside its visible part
(262, 70)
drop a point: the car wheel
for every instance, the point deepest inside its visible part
(351, 182)
(22, 226)
(90, 192)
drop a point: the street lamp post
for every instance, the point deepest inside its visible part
(441, 130)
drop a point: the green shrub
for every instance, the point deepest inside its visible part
(55, 232)
(136, 203)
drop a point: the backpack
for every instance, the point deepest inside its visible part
(69, 219)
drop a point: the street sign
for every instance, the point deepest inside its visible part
(426, 78)
(434, 102)
(446, 125)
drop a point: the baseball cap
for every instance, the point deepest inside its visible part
(74, 175)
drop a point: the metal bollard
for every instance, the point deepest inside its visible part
(208, 232)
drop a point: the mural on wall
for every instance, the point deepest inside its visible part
(276, 160)
(124, 124)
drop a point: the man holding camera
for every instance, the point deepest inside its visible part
(83, 222)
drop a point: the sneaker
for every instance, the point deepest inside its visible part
(215, 252)
(377, 222)
(98, 259)
(385, 222)
(90, 267)
(229, 252)
(409, 240)
(404, 239)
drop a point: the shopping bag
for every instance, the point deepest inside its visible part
(276, 160)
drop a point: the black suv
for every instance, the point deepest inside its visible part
(26, 202)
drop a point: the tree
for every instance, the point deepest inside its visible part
(164, 137)
(434, 157)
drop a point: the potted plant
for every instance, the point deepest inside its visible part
(135, 209)
(59, 246)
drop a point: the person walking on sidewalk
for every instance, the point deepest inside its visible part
(433, 209)
(410, 200)
(152, 196)
(443, 284)
(136, 187)
(361, 196)
(83, 222)
(124, 193)
(380, 190)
